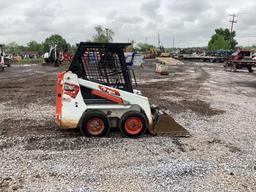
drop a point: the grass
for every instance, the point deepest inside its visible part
(30, 61)
(34, 61)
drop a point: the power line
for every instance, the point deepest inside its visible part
(233, 21)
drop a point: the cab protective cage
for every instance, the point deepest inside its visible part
(102, 63)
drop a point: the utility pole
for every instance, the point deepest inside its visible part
(159, 42)
(232, 21)
(146, 40)
(107, 33)
(173, 42)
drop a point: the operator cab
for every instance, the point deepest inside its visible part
(103, 63)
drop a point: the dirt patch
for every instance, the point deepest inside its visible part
(215, 141)
(197, 106)
(247, 84)
(28, 91)
(25, 86)
(15, 127)
(179, 144)
(200, 107)
(203, 74)
(10, 184)
(233, 148)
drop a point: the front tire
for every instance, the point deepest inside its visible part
(95, 124)
(133, 124)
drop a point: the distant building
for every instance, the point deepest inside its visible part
(29, 54)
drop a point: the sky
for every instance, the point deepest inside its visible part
(182, 23)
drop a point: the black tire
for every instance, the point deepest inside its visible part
(94, 117)
(138, 117)
(47, 60)
(56, 63)
(7, 62)
(233, 68)
(250, 69)
(225, 66)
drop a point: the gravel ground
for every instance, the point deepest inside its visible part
(216, 106)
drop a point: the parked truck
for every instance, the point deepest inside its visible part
(241, 59)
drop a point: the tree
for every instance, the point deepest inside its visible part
(12, 48)
(228, 37)
(143, 47)
(55, 39)
(35, 46)
(103, 35)
(253, 47)
(22, 48)
(217, 42)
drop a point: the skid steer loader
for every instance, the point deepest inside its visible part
(95, 94)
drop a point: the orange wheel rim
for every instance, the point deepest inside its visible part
(95, 126)
(133, 125)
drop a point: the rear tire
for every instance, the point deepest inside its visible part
(225, 66)
(95, 124)
(233, 68)
(250, 69)
(7, 62)
(56, 63)
(133, 124)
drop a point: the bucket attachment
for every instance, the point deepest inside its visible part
(164, 124)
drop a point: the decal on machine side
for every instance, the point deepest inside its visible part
(109, 90)
(107, 96)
